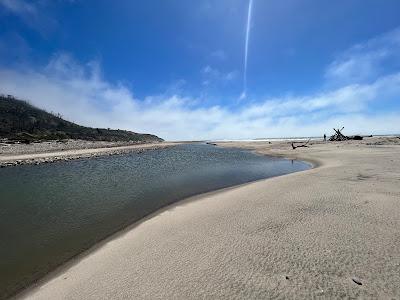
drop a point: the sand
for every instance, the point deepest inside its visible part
(46, 152)
(314, 234)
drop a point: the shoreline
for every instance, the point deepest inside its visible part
(25, 292)
(162, 218)
(70, 263)
(79, 149)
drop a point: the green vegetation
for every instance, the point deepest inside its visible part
(23, 122)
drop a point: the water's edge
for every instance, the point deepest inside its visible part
(75, 259)
(62, 266)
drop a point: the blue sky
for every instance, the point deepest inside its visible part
(176, 68)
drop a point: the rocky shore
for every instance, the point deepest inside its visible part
(14, 154)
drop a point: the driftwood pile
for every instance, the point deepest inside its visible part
(339, 136)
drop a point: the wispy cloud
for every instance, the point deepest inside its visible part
(19, 7)
(213, 76)
(366, 61)
(81, 94)
(219, 55)
(31, 13)
(20, 49)
(246, 50)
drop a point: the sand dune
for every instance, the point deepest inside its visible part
(317, 233)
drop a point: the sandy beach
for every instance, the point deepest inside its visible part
(47, 152)
(329, 232)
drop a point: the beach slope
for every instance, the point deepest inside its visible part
(332, 231)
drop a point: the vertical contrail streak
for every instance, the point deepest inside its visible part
(246, 49)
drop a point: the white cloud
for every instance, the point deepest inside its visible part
(80, 94)
(366, 61)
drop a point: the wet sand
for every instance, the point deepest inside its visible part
(330, 232)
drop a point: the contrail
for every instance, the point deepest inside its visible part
(246, 49)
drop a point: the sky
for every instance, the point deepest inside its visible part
(211, 69)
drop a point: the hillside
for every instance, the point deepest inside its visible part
(22, 121)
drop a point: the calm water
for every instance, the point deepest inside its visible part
(49, 213)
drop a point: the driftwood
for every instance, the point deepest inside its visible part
(339, 136)
(356, 137)
(303, 145)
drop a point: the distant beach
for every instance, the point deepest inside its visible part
(330, 232)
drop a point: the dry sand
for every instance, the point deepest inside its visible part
(302, 235)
